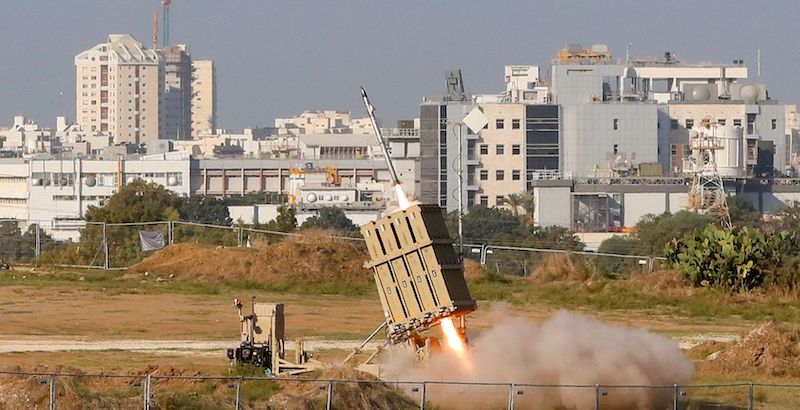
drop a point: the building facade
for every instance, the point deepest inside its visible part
(118, 87)
(176, 99)
(203, 97)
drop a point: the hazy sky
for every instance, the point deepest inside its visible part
(280, 58)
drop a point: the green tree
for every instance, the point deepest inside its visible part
(138, 201)
(286, 221)
(522, 206)
(653, 232)
(330, 218)
(205, 209)
(482, 223)
(620, 245)
(787, 219)
(742, 212)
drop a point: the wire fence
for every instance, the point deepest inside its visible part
(116, 246)
(38, 390)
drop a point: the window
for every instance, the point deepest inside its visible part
(499, 200)
(616, 123)
(689, 123)
(484, 175)
(737, 123)
(500, 149)
(515, 124)
(499, 124)
(484, 200)
(499, 175)
(516, 175)
(774, 124)
(515, 149)
(721, 121)
(484, 149)
(673, 124)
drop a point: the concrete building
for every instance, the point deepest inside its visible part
(118, 87)
(592, 118)
(323, 122)
(176, 99)
(203, 98)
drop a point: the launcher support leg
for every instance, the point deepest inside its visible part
(357, 350)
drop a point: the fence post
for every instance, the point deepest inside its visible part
(38, 249)
(329, 402)
(675, 404)
(596, 397)
(650, 264)
(422, 397)
(511, 397)
(170, 230)
(484, 248)
(750, 396)
(105, 248)
(53, 392)
(238, 392)
(240, 236)
(147, 392)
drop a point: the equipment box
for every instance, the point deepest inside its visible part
(419, 276)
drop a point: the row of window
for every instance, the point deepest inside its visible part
(500, 149)
(737, 122)
(500, 175)
(500, 124)
(484, 200)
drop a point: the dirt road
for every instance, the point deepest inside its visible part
(21, 346)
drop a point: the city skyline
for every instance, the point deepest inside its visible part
(281, 59)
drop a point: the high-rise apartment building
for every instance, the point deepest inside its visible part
(203, 97)
(176, 101)
(118, 84)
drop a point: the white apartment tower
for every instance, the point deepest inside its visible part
(118, 85)
(204, 97)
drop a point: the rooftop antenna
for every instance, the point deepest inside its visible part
(758, 70)
(165, 27)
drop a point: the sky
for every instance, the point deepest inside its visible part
(278, 58)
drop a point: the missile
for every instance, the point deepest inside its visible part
(381, 142)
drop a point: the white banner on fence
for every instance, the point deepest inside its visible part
(151, 240)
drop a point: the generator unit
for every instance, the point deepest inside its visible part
(419, 276)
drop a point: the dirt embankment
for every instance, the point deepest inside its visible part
(309, 258)
(765, 350)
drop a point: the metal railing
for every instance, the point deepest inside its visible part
(236, 392)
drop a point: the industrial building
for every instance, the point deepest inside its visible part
(601, 142)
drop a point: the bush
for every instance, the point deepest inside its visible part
(742, 259)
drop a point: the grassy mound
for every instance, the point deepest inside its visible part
(312, 257)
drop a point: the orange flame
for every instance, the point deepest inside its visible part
(453, 338)
(402, 199)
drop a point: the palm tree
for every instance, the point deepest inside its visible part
(514, 201)
(529, 206)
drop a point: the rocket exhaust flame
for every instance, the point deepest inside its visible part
(402, 199)
(453, 338)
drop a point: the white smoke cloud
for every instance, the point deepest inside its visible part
(566, 349)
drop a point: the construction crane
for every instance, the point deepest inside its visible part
(154, 32)
(707, 192)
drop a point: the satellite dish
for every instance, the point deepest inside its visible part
(311, 198)
(91, 181)
(172, 181)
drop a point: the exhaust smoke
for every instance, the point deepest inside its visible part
(567, 348)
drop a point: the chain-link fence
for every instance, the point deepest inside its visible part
(118, 246)
(146, 391)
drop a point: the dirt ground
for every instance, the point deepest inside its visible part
(65, 312)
